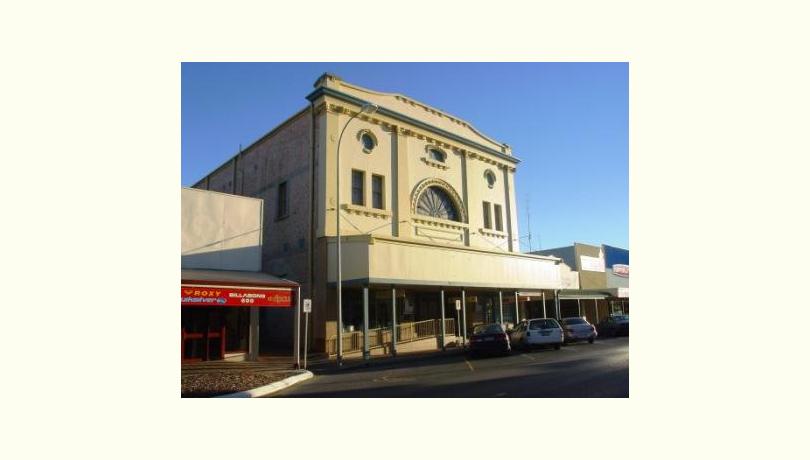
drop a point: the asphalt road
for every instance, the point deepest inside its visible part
(579, 370)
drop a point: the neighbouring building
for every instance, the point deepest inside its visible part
(602, 275)
(224, 296)
(427, 217)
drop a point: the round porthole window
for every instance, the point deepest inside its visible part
(368, 141)
(490, 178)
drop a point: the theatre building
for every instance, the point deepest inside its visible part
(227, 303)
(427, 217)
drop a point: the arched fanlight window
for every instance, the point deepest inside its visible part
(435, 202)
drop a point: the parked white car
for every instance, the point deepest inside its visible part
(537, 332)
(578, 329)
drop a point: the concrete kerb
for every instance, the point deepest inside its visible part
(271, 388)
(328, 365)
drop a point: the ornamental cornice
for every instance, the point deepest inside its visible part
(365, 211)
(414, 132)
(492, 233)
(434, 163)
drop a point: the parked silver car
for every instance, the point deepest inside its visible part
(577, 329)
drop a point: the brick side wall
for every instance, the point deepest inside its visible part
(282, 156)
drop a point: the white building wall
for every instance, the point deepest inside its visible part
(220, 231)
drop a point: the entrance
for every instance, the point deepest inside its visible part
(213, 333)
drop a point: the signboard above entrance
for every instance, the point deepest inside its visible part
(232, 296)
(592, 264)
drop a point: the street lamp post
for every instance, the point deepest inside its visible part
(368, 109)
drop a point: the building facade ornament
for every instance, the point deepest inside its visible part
(422, 186)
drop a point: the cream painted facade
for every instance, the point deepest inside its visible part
(396, 250)
(401, 157)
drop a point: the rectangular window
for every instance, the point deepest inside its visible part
(487, 216)
(377, 191)
(282, 207)
(498, 221)
(358, 187)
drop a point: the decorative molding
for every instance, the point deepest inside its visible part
(438, 233)
(487, 174)
(434, 163)
(440, 223)
(364, 211)
(341, 109)
(433, 181)
(360, 139)
(492, 233)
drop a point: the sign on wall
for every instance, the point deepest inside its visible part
(219, 296)
(621, 270)
(592, 264)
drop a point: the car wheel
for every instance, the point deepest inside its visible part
(590, 340)
(556, 346)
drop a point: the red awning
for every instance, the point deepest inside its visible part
(224, 288)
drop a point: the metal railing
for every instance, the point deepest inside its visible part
(381, 337)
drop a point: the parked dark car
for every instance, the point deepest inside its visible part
(489, 338)
(577, 329)
(614, 326)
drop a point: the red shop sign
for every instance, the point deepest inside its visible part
(220, 296)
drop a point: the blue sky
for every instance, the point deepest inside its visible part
(567, 122)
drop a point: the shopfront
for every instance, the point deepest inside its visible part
(220, 312)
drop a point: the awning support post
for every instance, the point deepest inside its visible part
(443, 331)
(366, 353)
(543, 295)
(596, 310)
(253, 335)
(297, 353)
(517, 308)
(579, 309)
(393, 321)
(463, 319)
(557, 302)
(500, 305)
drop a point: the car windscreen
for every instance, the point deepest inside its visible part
(621, 318)
(488, 329)
(541, 324)
(573, 321)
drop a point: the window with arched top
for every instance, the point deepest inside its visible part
(435, 202)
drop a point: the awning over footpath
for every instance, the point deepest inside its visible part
(594, 293)
(226, 288)
(572, 294)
